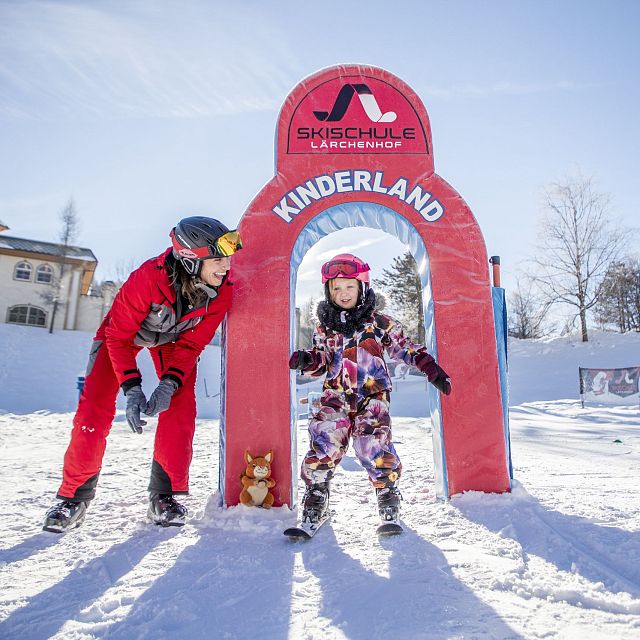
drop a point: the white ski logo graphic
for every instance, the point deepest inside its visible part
(370, 105)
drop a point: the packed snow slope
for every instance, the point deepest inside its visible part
(558, 557)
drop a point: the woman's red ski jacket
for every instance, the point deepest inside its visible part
(143, 315)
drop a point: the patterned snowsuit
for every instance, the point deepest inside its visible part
(355, 398)
(143, 314)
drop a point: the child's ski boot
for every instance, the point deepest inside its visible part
(315, 503)
(166, 511)
(315, 512)
(389, 508)
(64, 515)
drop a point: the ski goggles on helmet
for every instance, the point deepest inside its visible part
(345, 268)
(228, 244)
(224, 246)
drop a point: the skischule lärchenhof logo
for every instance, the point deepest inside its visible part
(343, 127)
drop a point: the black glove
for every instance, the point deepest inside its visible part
(300, 360)
(442, 382)
(136, 403)
(161, 398)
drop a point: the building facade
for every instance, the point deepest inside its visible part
(44, 284)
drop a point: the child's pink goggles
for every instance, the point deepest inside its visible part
(344, 268)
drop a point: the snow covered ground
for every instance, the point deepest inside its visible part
(559, 557)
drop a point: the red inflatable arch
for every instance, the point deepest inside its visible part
(354, 148)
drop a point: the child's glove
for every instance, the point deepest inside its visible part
(300, 360)
(442, 381)
(161, 398)
(136, 403)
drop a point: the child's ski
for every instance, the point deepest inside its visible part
(389, 529)
(305, 530)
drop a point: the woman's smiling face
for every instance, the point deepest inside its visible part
(214, 270)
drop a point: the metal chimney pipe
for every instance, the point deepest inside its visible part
(495, 262)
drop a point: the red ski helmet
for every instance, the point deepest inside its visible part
(345, 265)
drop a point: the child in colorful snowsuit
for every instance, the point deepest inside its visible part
(172, 305)
(348, 346)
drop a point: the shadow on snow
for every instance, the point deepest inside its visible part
(46, 612)
(599, 553)
(420, 598)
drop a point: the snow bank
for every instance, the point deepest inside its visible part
(39, 371)
(547, 369)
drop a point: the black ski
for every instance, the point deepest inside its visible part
(389, 529)
(305, 530)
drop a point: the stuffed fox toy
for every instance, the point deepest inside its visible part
(256, 481)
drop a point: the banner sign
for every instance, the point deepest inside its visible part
(323, 186)
(610, 386)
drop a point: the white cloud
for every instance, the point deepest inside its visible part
(140, 59)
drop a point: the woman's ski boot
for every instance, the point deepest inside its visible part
(64, 515)
(166, 511)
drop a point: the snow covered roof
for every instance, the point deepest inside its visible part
(46, 248)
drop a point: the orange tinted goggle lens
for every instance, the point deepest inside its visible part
(229, 243)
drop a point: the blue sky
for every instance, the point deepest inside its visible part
(144, 112)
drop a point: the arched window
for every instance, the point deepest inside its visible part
(27, 314)
(23, 271)
(44, 274)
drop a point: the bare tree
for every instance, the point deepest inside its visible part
(122, 270)
(577, 243)
(70, 226)
(527, 312)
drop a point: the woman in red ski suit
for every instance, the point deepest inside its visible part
(172, 305)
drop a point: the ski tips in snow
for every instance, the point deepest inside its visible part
(305, 530)
(298, 533)
(389, 529)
